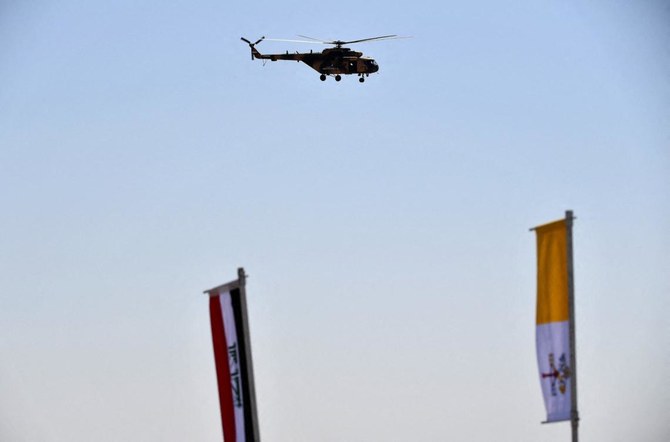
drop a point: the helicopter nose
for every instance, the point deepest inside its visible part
(372, 66)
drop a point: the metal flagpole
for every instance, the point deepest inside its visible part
(574, 414)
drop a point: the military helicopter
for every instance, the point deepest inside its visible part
(336, 61)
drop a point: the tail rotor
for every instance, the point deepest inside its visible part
(251, 45)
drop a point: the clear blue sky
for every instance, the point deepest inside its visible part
(384, 225)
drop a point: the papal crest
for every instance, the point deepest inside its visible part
(558, 376)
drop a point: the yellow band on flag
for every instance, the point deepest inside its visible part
(552, 273)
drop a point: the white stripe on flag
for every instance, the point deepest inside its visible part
(234, 363)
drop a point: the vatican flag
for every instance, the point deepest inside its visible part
(553, 319)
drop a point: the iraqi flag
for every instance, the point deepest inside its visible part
(552, 333)
(232, 355)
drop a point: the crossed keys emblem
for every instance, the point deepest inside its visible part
(558, 376)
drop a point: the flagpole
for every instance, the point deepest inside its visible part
(574, 414)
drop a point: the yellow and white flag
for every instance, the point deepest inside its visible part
(553, 320)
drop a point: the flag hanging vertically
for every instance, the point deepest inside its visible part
(555, 321)
(232, 357)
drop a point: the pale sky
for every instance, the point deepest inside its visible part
(384, 226)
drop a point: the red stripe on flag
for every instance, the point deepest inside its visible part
(222, 369)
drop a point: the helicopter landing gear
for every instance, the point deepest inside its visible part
(338, 77)
(362, 79)
(323, 77)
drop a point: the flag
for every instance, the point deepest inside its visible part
(232, 357)
(553, 320)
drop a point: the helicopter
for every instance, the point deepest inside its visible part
(336, 61)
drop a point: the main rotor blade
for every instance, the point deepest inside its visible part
(316, 39)
(294, 41)
(383, 37)
(312, 40)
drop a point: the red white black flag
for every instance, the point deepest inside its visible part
(232, 355)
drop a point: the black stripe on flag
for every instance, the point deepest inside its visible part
(243, 348)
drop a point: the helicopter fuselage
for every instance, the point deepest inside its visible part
(335, 61)
(330, 61)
